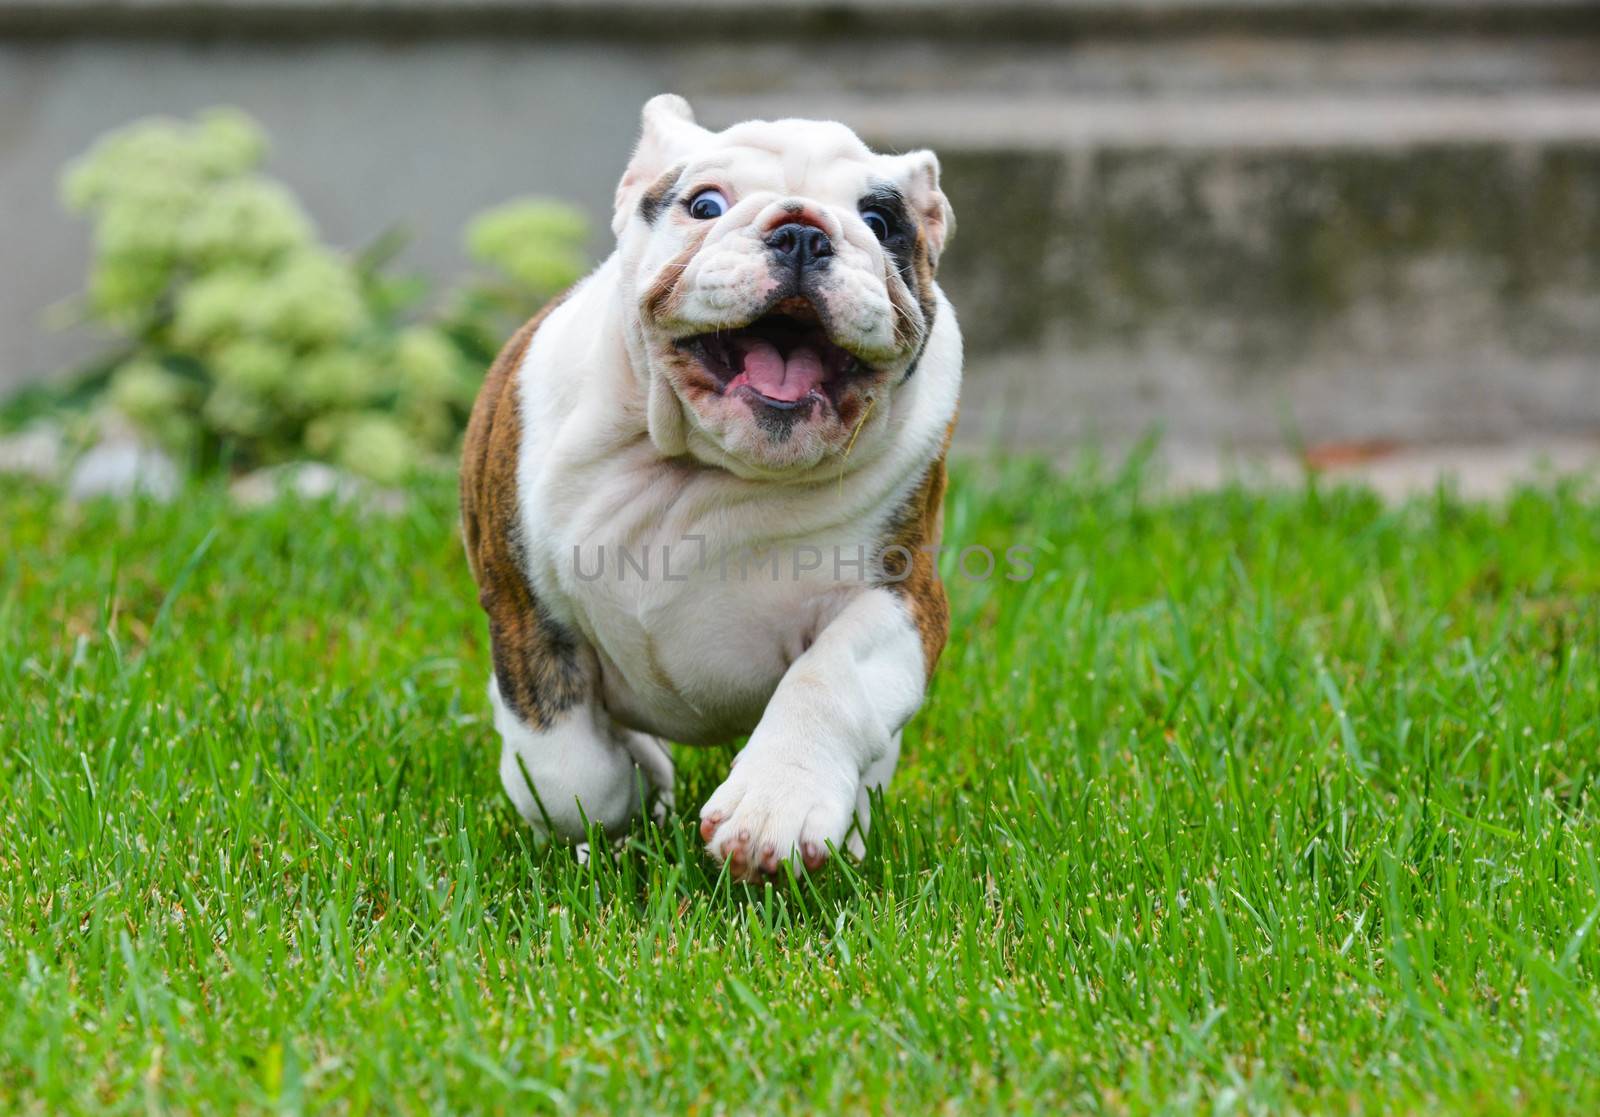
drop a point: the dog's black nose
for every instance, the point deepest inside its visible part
(800, 246)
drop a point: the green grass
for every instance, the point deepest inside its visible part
(1244, 801)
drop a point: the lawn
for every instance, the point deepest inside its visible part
(1246, 800)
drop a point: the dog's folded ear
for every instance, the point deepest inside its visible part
(919, 176)
(667, 133)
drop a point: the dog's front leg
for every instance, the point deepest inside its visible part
(831, 729)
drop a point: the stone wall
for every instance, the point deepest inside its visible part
(1238, 222)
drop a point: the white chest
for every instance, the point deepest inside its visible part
(695, 599)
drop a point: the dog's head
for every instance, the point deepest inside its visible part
(779, 279)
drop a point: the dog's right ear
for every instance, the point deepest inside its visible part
(667, 133)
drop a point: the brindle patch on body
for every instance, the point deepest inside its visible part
(535, 657)
(910, 563)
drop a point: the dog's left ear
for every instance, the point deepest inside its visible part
(919, 174)
(667, 133)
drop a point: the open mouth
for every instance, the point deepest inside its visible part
(784, 358)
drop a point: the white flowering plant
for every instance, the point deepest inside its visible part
(243, 339)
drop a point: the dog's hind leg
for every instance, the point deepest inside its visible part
(579, 769)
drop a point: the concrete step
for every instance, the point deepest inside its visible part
(1238, 121)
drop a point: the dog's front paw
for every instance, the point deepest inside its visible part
(769, 811)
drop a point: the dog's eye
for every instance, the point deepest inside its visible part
(707, 204)
(879, 222)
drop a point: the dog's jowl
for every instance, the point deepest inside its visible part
(699, 489)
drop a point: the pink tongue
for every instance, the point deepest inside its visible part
(767, 372)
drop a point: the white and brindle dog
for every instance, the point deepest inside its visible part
(764, 367)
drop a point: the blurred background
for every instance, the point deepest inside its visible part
(1307, 231)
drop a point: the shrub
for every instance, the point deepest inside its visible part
(244, 339)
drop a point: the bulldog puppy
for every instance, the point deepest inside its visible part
(700, 492)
